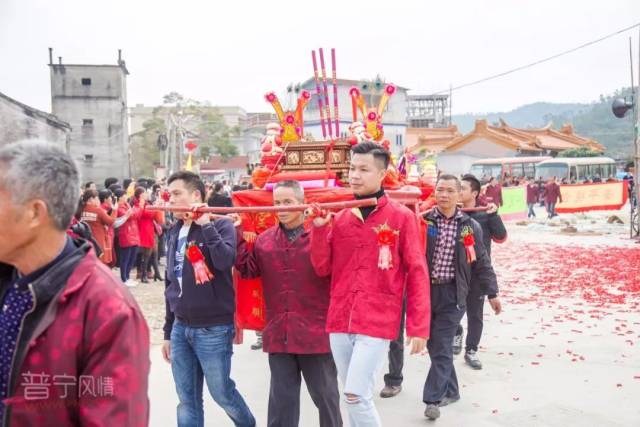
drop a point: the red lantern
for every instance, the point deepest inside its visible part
(190, 145)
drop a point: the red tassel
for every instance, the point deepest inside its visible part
(195, 257)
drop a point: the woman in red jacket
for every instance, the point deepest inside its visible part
(99, 222)
(128, 237)
(108, 203)
(146, 229)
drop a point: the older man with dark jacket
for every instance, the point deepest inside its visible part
(74, 344)
(296, 301)
(455, 255)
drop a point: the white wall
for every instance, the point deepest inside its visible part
(15, 125)
(394, 118)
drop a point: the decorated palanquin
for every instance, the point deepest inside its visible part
(321, 167)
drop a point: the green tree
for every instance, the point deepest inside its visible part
(199, 120)
(215, 135)
(579, 152)
(599, 123)
(144, 147)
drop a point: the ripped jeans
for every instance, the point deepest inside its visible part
(358, 359)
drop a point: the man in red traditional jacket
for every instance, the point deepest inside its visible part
(494, 191)
(75, 345)
(374, 255)
(296, 301)
(551, 196)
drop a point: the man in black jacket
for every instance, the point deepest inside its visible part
(218, 198)
(199, 324)
(455, 254)
(492, 230)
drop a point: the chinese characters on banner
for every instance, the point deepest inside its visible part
(590, 197)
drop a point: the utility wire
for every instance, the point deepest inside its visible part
(513, 70)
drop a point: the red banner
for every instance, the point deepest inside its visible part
(604, 196)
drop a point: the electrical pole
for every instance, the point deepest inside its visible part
(636, 134)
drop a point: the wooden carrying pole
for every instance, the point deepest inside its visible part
(273, 209)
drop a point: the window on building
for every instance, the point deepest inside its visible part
(86, 81)
(88, 157)
(87, 122)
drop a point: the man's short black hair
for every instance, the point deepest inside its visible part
(88, 184)
(378, 152)
(449, 177)
(104, 195)
(191, 181)
(110, 181)
(473, 182)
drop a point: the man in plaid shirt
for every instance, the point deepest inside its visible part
(452, 236)
(443, 267)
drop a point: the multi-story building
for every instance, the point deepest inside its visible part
(93, 100)
(394, 117)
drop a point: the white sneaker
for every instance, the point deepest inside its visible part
(131, 283)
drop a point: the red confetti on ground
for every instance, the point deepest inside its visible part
(495, 411)
(618, 385)
(515, 399)
(535, 363)
(600, 276)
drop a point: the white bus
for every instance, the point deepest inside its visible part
(572, 170)
(505, 167)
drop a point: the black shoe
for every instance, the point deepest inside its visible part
(157, 278)
(144, 279)
(449, 400)
(257, 345)
(390, 391)
(432, 411)
(471, 358)
(457, 343)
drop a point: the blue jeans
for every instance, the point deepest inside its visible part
(531, 213)
(199, 354)
(551, 210)
(358, 358)
(127, 259)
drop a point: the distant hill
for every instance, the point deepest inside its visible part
(594, 120)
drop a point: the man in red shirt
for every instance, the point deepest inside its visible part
(532, 197)
(494, 191)
(551, 196)
(374, 255)
(296, 301)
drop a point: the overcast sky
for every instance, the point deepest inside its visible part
(231, 53)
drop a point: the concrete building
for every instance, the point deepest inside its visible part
(93, 100)
(394, 117)
(232, 170)
(19, 121)
(428, 111)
